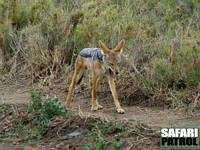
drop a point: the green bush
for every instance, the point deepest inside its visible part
(105, 21)
(100, 131)
(42, 110)
(40, 9)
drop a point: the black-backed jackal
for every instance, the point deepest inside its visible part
(101, 61)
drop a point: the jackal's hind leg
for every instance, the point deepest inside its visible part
(76, 76)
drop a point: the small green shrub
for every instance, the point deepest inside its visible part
(100, 141)
(42, 110)
(116, 144)
(101, 130)
(164, 74)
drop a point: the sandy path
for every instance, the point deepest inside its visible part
(156, 117)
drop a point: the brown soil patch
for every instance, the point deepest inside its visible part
(155, 117)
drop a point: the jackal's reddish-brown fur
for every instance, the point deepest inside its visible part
(109, 68)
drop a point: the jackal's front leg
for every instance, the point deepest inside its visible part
(95, 82)
(115, 97)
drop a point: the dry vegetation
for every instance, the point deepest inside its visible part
(45, 122)
(39, 40)
(161, 62)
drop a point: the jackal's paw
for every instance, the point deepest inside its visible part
(96, 107)
(120, 111)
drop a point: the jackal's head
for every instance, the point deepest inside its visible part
(112, 58)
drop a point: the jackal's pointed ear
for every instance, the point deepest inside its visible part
(104, 48)
(119, 47)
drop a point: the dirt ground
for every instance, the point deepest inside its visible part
(19, 93)
(155, 117)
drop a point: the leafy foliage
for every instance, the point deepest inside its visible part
(100, 130)
(42, 110)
